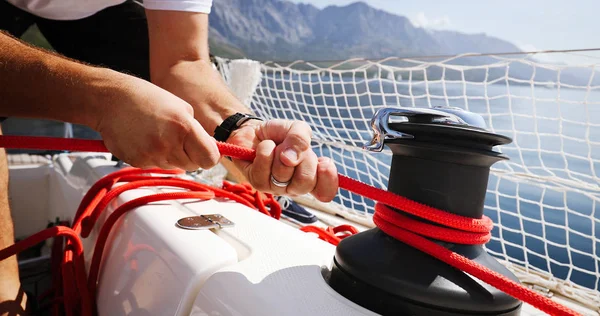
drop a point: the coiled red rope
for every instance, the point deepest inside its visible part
(458, 229)
(76, 270)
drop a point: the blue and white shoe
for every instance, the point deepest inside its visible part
(292, 209)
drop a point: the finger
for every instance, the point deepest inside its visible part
(294, 142)
(305, 176)
(327, 180)
(259, 171)
(279, 171)
(179, 159)
(160, 161)
(200, 148)
(139, 160)
(164, 165)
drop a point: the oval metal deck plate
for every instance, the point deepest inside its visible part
(204, 222)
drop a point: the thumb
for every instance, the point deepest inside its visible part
(200, 147)
(295, 144)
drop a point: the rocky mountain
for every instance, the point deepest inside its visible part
(452, 42)
(274, 29)
(282, 30)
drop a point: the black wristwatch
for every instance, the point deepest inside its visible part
(232, 123)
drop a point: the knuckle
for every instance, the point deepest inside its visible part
(183, 124)
(188, 108)
(208, 160)
(305, 177)
(304, 127)
(278, 121)
(301, 185)
(259, 183)
(299, 142)
(182, 130)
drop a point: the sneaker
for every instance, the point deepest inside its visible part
(294, 210)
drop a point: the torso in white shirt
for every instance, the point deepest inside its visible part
(79, 9)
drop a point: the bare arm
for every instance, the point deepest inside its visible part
(179, 62)
(39, 84)
(139, 122)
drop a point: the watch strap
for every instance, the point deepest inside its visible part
(233, 122)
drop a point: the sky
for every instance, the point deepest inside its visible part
(529, 24)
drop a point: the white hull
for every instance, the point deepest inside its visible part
(260, 266)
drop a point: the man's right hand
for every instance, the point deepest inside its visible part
(147, 126)
(140, 123)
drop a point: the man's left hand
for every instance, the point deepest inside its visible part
(284, 155)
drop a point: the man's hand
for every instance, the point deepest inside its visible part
(179, 63)
(282, 145)
(147, 126)
(140, 123)
(283, 152)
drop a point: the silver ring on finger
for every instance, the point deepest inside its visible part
(279, 183)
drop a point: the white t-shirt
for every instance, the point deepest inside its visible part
(79, 9)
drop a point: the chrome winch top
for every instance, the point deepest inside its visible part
(439, 115)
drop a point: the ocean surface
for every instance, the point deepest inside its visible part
(553, 132)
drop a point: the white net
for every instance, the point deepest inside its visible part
(544, 201)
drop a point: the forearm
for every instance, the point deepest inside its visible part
(39, 84)
(179, 62)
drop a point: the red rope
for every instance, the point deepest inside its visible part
(80, 277)
(457, 228)
(112, 219)
(102, 193)
(74, 144)
(332, 235)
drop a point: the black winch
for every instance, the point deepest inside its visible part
(442, 158)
